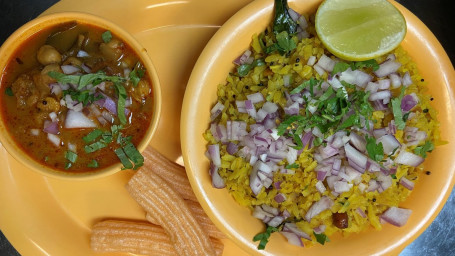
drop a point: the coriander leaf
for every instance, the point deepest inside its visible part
(92, 135)
(9, 91)
(292, 166)
(393, 176)
(134, 155)
(298, 141)
(422, 150)
(68, 165)
(340, 67)
(121, 93)
(367, 64)
(285, 42)
(83, 80)
(123, 158)
(321, 238)
(93, 164)
(244, 69)
(350, 121)
(283, 20)
(406, 116)
(106, 36)
(305, 84)
(137, 73)
(94, 147)
(287, 123)
(71, 156)
(375, 151)
(264, 237)
(397, 112)
(317, 141)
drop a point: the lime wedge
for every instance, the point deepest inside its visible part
(359, 29)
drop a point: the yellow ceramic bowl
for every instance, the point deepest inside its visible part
(236, 221)
(42, 23)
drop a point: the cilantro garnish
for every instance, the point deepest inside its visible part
(340, 67)
(284, 44)
(292, 166)
(375, 151)
(312, 82)
(83, 80)
(321, 238)
(94, 147)
(121, 92)
(137, 73)
(422, 150)
(106, 36)
(71, 156)
(93, 164)
(366, 64)
(243, 70)
(9, 91)
(393, 176)
(264, 237)
(397, 112)
(82, 96)
(92, 135)
(406, 116)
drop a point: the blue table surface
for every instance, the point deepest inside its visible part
(438, 239)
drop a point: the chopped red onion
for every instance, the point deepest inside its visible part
(378, 133)
(56, 89)
(396, 216)
(232, 148)
(311, 60)
(110, 105)
(292, 227)
(54, 139)
(326, 63)
(319, 69)
(319, 229)
(384, 84)
(320, 187)
(72, 147)
(242, 58)
(216, 110)
(76, 119)
(217, 180)
(342, 186)
(292, 109)
(407, 183)
(255, 97)
(389, 143)
(357, 141)
(69, 69)
(395, 80)
(323, 204)
(361, 212)
(86, 69)
(356, 157)
(214, 152)
(372, 185)
(387, 67)
(275, 221)
(372, 87)
(51, 127)
(385, 181)
(292, 238)
(408, 158)
(34, 132)
(381, 95)
(280, 197)
(409, 101)
(407, 81)
(82, 54)
(356, 77)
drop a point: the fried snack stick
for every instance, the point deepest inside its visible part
(171, 212)
(201, 218)
(135, 237)
(171, 172)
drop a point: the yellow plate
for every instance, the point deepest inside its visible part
(211, 69)
(45, 216)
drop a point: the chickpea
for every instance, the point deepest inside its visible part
(112, 50)
(49, 104)
(48, 55)
(73, 61)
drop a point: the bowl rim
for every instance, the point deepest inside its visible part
(34, 26)
(200, 74)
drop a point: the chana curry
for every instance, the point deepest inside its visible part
(76, 98)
